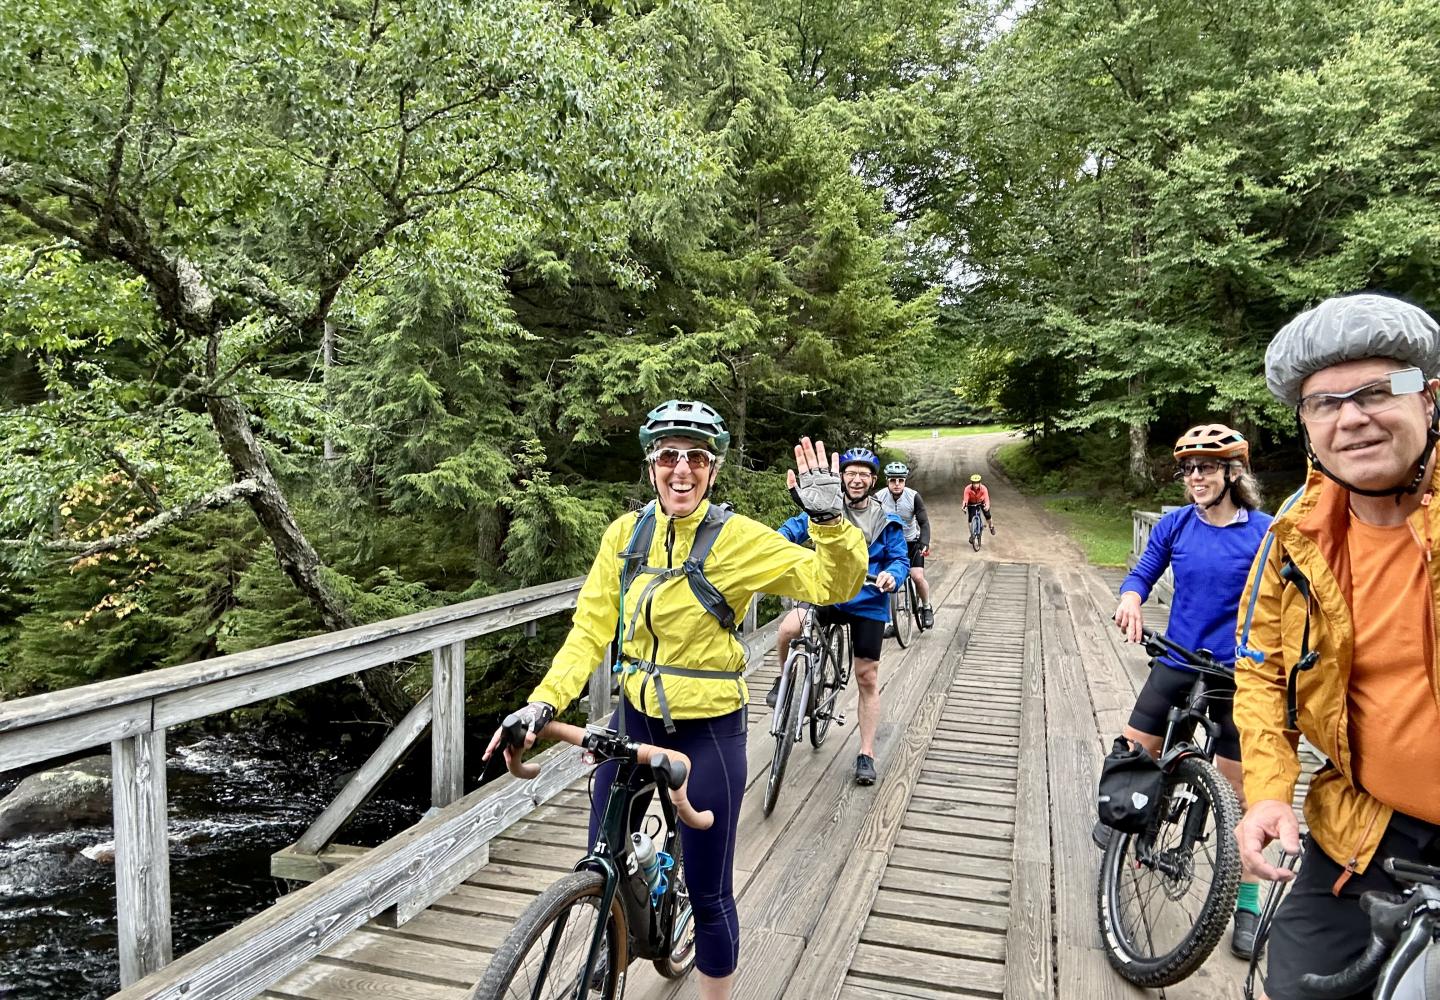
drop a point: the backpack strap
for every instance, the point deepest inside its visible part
(1290, 573)
(1242, 648)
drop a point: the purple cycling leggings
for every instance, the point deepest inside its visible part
(716, 748)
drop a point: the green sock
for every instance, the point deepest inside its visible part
(1249, 898)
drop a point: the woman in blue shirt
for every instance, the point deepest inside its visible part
(1209, 545)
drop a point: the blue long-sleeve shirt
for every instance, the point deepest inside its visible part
(1210, 566)
(888, 554)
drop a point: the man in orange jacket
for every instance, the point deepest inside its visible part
(1338, 629)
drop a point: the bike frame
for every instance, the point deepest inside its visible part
(631, 781)
(804, 651)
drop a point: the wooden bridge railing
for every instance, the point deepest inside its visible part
(398, 878)
(1142, 522)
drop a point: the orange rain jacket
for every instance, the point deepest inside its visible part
(1344, 820)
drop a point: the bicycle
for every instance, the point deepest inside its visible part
(816, 669)
(905, 612)
(1403, 956)
(578, 937)
(977, 525)
(1186, 850)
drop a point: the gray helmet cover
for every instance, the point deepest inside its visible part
(1350, 328)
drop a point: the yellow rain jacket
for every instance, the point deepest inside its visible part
(747, 558)
(1344, 820)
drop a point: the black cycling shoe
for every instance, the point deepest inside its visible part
(992, 529)
(773, 695)
(864, 770)
(927, 617)
(889, 630)
(1242, 936)
(1102, 834)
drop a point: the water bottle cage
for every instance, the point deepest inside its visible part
(662, 883)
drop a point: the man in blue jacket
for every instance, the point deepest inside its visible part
(867, 612)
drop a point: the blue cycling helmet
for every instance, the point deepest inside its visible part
(897, 469)
(860, 456)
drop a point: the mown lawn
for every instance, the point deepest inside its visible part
(911, 433)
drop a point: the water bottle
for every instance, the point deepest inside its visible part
(647, 858)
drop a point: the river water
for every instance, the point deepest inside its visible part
(234, 799)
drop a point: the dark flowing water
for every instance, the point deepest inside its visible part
(234, 799)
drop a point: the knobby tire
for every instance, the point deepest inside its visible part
(1129, 937)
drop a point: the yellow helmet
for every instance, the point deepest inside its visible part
(975, 478)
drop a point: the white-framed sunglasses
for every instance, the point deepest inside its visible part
(1370, 398)
(668, 458)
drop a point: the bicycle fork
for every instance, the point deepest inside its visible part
(797, 666)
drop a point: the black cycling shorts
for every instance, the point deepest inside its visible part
(866, 634)
(1317, 931)
(1167, 688)
(917, 561)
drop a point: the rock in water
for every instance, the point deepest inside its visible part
(63, 798)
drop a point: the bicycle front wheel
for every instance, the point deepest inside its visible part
(796, 667)
(545, 953)
(1164, 900)
(679, 924)
(912, 595)
(901, 617)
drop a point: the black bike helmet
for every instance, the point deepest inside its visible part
(688, 419)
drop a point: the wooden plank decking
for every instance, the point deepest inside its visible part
(967, 871)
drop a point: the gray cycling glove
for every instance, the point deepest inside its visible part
(818, 493)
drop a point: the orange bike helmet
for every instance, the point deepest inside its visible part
(1213, 439)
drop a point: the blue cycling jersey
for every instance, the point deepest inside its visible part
(888, 554)
(1210, 566)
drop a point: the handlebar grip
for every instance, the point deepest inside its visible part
(515, 730)
(671, 772)
(1351, 980)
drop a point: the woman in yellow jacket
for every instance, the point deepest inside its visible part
(682, 667)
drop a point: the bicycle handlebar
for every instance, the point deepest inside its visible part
(671, 767)
(1156, 643)
(1401, 928)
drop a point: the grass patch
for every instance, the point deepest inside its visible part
(911, 433)
(1102, 527)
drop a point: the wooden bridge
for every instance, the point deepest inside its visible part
(966, 871)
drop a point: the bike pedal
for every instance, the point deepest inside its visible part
(839, 720)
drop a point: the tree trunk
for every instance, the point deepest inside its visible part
(1139, 468)
(737, 433)
(327, 351)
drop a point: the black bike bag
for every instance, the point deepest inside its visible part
(1130, 783)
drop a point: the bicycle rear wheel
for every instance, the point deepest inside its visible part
(544, 954)
(901, 616)
(830, 681)
(1164, 901)
(798, 666)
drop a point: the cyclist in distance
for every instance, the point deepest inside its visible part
(976, 495)
(1338, 628)
(867, 612)
(1209, 545)
(681, 667)
(905, 503)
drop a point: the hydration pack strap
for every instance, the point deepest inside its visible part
(693, 568)
(659, 671)
(1290, 573)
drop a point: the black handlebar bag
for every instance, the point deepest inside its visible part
(1130, 783)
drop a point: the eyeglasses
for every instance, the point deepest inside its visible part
(668, 458)
(1206, 467)
(1370, 398)
(897, 479)
(858, 474)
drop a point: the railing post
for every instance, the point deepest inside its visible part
(752, 615)
(600, 702)
(447, 725)
(142, 855)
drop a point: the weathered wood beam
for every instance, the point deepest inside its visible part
(447, 725)
(49, 725)
(364, 781)
(142, 855)
(264, 949)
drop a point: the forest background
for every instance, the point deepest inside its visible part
(313, 315)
